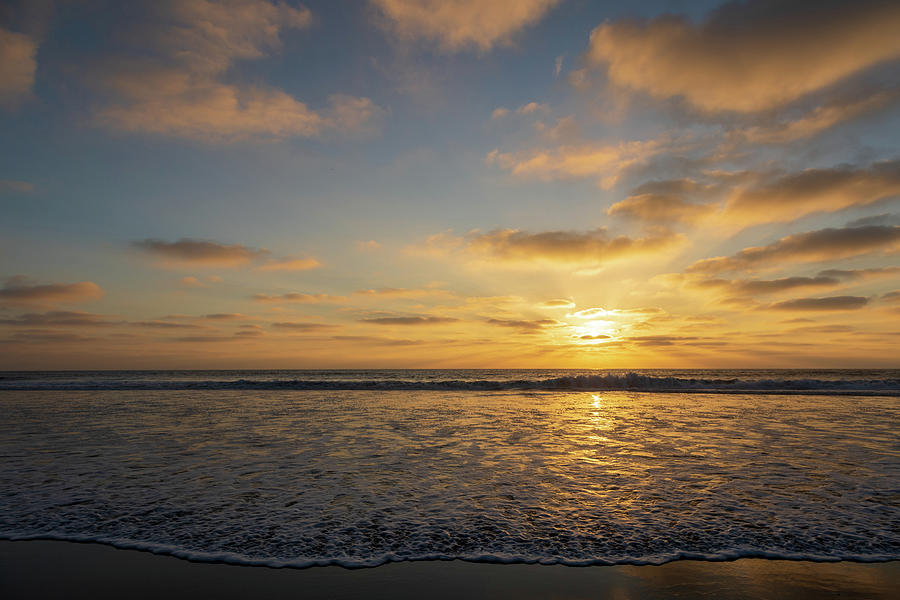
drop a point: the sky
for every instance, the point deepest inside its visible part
(438, 184)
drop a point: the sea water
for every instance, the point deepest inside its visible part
(358, 468)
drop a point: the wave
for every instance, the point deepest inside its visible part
(635, 382)
(383, 559)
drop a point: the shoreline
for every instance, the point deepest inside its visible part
(57, 569)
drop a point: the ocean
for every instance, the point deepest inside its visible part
(360, 468)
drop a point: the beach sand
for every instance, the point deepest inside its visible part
(52, 569)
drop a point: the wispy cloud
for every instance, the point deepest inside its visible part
(820, 245)
(58, 318)
(12, 185)
(180, 88)
(299, 298)
(562, 247)
(303, 326)
(290, 264)
(409, 320)
(190, 252)
(822, 304)
(20, 290)
(791, 196)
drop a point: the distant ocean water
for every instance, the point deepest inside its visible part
(359, 468)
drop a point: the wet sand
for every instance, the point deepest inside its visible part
(51, 569)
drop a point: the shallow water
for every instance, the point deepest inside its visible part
(363, 477)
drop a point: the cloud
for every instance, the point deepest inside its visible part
(205, 339)
(882, 219)
(59, 318)
(410, 320)
(158, 324)
(18, 65)
(180, 91)
(860, 274)
(300, 298)
(663, 202)
(811, 246)
(747, 57)
(298, 326)
(190, 252)
(605, 161)
(525, 326)
(815, 121)
(367, 246)
(404, 293)
(195, 282)
(17, 187)
(459, 24)
(814, 304)
(19, 290)
(375, 340)
(224, 316)
(566, 247)
(814, 190)
(525, 109)
(42, 336)
(290, 264)
(754, 287)
(557, 303)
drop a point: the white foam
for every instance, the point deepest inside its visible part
(360, 478)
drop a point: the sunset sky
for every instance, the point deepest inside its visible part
(424, 183)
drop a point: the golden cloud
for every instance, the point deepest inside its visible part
(747, 57)
(566, 247)
(557, 303)
(603, 161)
(664, 202)
(300, 298)
(814, 190)
(303, 326)
(765, 286)
(190, 252)
(458, 24)
(290, 264)
(409, 320)
(405, 293)
(811, 246)
(19, 290)
(524, 325)
(17, 67)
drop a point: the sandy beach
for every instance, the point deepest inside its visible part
(52, 569)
